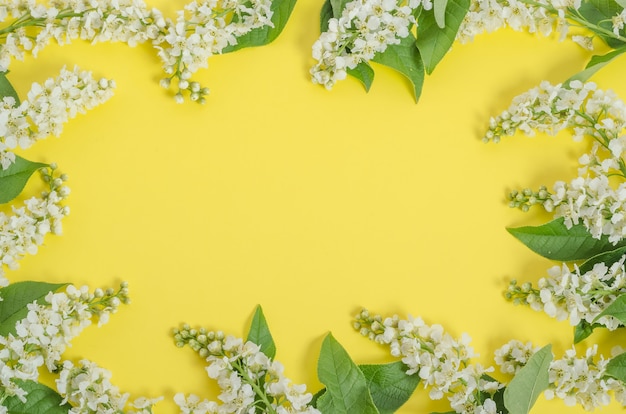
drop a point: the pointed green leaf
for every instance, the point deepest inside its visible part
(15, 299)
(555, 241)
(608, 258)
(40, 400)
(616, 367)
(439, 10)
(364, 73)
(406, 59)
(433, 41)
(529, 382)
(596, 63)
(389, 385)
(259, 333)
(338, 6)
(583, 330)
(346, 386)
(617, 309)
(325, 15)
(6, 89)
(14, 178)
(264, 35)
(316, 397)
(600, 12)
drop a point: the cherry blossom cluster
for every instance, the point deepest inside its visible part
(366, 27)
(48, 106)
(88, 389)
(577, 380)
(22, 232)
(543, 16)
(248, 379)
(442, 362)
(43, 335)
(569, 294)
(591, 198)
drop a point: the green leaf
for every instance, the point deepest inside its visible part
(530, 381)
(406, 59)
(40, 400)
(338, 6)
(364, 73)
(264, 35)
(389, 385)
(14, 178)
(556, 242)
(346, 386)
(259, 333)
(434, 41)
(6, 89)
(325, 15)
(599, 13)
(616, 367)
(16, 297)
(439, 10)
(608, 258)
(583, 330)
(596, 63)
(617, 309)
(316, 397)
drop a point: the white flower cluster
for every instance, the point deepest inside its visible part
(48, 107)
(87, 387)
(366, 27)
(544, 17)
(204, 29)
(46, 331)
(568, 294)
(575, 380)
(587, 112)
(128, 21)
(246, 376)
(441, 362)
(22, 232)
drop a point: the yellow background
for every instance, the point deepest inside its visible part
(309, 202)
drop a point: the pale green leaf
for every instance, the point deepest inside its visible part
(405, 58)
(14, 178)
(6, 89)
(596, 63)
(40, 400)
(433, 41)
(616, 367)
(15, 299)
(555, 241)
(621, 3)
(389, 385)
(529, 382)
(326, 13)
(346, 386)
(616, 309)
(608, 258)
(439, 10)
(259, 334)
(264, 35)
(364, 73)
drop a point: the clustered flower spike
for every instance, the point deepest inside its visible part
(47, 330)
(366, 27)
(204, 29)
(570, 294)
(48, 106)
(584, 110)
(201, 30)
(248, 379)
(23, 232)
(88, 388)
(442, 362)
(573, 379)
